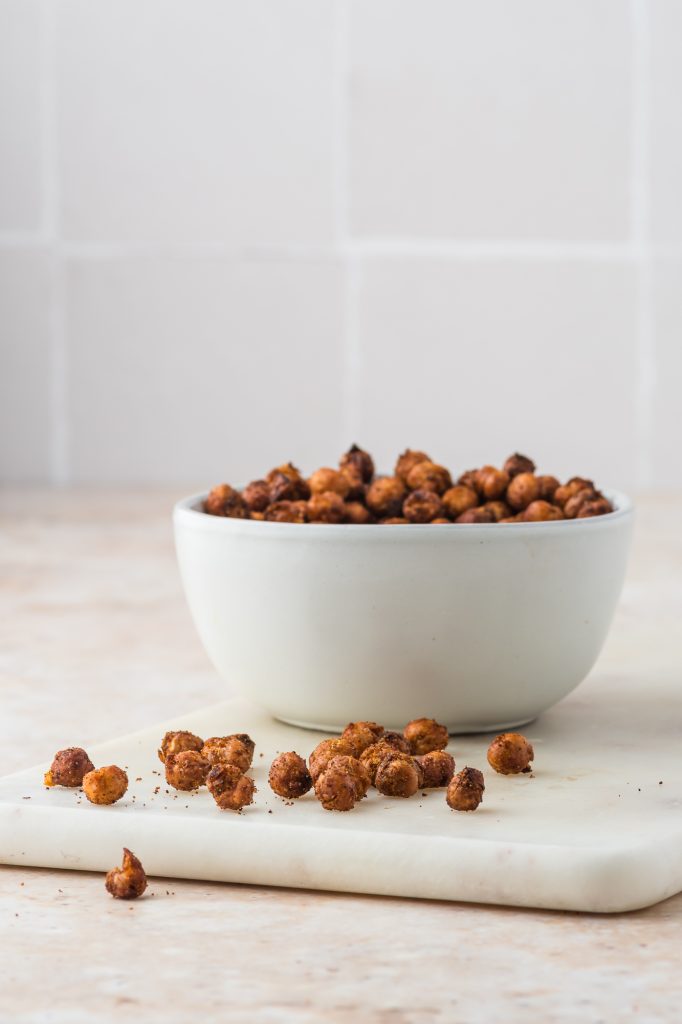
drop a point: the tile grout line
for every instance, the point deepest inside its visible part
(645, 330)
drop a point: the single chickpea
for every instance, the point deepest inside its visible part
(223, 500)
(227, 750)
(459, 499)
(360, 461)
(355, 770)
(356, 485)
(425, 735)
(360, 735)
(300, 490)
(256, 496)
(385, 496)
(541, 511)
(422, 507)
(397, 775)
(396, 741)
(176, 742)
(325, 751)
(287, 512)
(358, 514)
(327, 507)
(438, 767)
(187, 770)
(289, 776)
(547, 487)
(599, 507)
(476, 515)
(325, 479)
(336, 790)
(470, 479)
(522, 490)
(573, 504)
(105, 785)
(129, 881)
(510, 753)
(373, 756)
(69, 767)
(465, 791)
(407, 461)
(491, 482)
(429, 476)
(498, 509)
(229, 787)
(567, 490)
(516, 464)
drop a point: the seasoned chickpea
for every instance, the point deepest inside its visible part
(289, 776)
(355, 770)
(522, 490)
(187, 770)
(429, 476)
(327, 507)
(325, 751)
(516, 464)
(360, 735)
(324, 480)
(356, 485)
(438, 767)
(105, 785)
(459, 499)
(298, 489)
(358, 514)
(397, 775)
(491, 482)
(229, 787)
(372, 757)
(69, 767)
(547, 487)
(129, 881)
(425, 735)
(228, 750)
(385, 496)
(396, 740)
(287, 512)
(566, 491)
(407, 461)
(465, 791)
(223, 500)
(470, 479)
(510, 753)
(360, 461)
(597, 507)
(541, 511)
(256, 495)
(336, 790)
(573, 504)
(498, 510)
(176, 742)
(476, 515)
(422, 507)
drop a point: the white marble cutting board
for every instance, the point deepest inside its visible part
(597, 827)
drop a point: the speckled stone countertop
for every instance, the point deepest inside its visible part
(95, 640)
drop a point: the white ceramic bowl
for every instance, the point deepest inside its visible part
(480, 626)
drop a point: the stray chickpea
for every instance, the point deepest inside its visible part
(187, 770)
(425, 735)
(397, 775)
(547, 487)
(516, 464)
(510, 753)
(438, 767)
(176, 742)
(287, 512)
(465, 791)
(228, 750)
(105, 785)
(289, 776)
(324, 480)
(223, 500)
(336, 790)
(256, 496)
(327, 507)
(459, 499)
(407, 461)
(522, 490)
(69, 767)
(129, 881)
(360, 461)
(358, 514)
(541, 511)
(491, 482)
(597, 507)
(324, 751)
(385, 496)
(422, 507)
(429, 476)
(498, 509)
(476, 515)
(229, 787)
(360, 735)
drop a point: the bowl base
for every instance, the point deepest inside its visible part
(454, 730)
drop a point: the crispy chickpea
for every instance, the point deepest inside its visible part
(336, 790)
(356, 485)
(229, 787)
(407, 461)
(287, 512)
(422, 507)
(470, 479)
(394, 521)
(105, 785)
(176, 742)
(476, 515)
(223, 500)
(397, 775)
(227, 750)
(573, 504)
(385, 496)
(299, 491)
(129, 881)
(598, 507)
(491, 482)
(429, 476)
(358, 514)
(325, 751)
(372, 757)
(256, 495)
(498, 510)
(465, 791)
(187, 770)
(360, 461)
(547, 486)
(522, 490)
(566, 491)
(289, 776)
(396, 740)
(541, 511)
(325, 479)
(516, 464)
(327, 507)
(510, 753)
(459, 499)
(425, 735)
(438, 767)
(355, 770)
(360, 735)
(69, 767)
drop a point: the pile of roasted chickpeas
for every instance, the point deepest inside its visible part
(420, 491)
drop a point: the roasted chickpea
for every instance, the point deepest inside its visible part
(547, 487)
(372, 757)
(356, 485)
(573, 504)
(336, 790)
(327, 507)
(459, 499)
(438, 767)
(69, 767)
(597, 507)
(498, 510)
(470, 479)
(465, 791)
(360, 735)
(429, 476)
(516, 464)
(256, 496)
(566, 491)
(289, 776)
(325, 751)
(230, 789)
(510, 753)
(244, 738)
(223, 500)
(422, 507)
(299, 491)
(476, 515)
(105, 785)
(358, 514)
(522, 490)
(491, 482)
(129, 881)
(287, 512)
(187, 770)
(541, 511)
(360, 461)
(407, 461)
(397, 775)
(324, 480)
(385, 496)
(396, 740)
(355, 770)
(227, 750)
(425, 735)
(176, 742)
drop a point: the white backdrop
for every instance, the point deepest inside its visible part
(234, 233)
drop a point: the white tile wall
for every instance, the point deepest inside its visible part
(233, 233)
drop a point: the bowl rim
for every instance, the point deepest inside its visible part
(186, 511)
